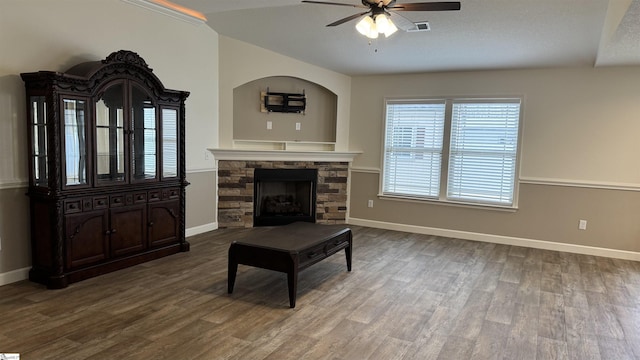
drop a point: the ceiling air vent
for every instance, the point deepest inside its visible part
(420, 26)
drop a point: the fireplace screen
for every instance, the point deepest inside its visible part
(283, 196)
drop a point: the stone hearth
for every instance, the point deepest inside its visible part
(235, 190)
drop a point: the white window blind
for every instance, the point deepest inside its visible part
(483, 151)
(413, 148)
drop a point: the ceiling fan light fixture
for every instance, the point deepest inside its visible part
(367, 27)
(385, 26)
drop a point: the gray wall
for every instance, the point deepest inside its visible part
(317, 124)
(579, 155)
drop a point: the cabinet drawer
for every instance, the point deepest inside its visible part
(72, 206)
(100, 202)
(154, 195)
(140, 198)
(116, 200)
(170, 194)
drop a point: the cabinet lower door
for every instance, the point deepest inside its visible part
(128, 230)
(164, 220)
(86, 239)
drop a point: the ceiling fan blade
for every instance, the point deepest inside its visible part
(401, 22)
(427, 6)
(348, 18)
(332, 3)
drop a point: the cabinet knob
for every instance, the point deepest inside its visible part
(150, 223)
(113, 231)
(107, 232)
(117, 200)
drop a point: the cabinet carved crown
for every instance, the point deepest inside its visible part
(106, 168)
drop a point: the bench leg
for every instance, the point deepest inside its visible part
(292, 280)
(347, 251)
(233, 269)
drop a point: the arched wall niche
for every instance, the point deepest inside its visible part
(317, 124)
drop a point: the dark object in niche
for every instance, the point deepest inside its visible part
(283, 102)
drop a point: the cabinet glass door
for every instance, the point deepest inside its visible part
(75, 141)
(40, 168)
(169, 143)
(143, 142)
(110, 132)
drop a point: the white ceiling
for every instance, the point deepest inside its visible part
(484, 34)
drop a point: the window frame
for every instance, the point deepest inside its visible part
(446, 147)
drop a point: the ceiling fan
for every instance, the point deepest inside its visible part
(380, 11)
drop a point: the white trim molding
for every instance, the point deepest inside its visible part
(499, 239)
(14, 276)
(604, 185)
(580, 183)
(367, 170)
(283, 155)
(13, 184)
(203, 170)
(200, 229)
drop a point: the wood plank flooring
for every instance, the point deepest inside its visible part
(409, 296)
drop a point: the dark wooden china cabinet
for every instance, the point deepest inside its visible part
(106, 168)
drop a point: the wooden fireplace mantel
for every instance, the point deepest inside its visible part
(283, 155)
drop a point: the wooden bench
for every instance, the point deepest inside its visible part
(289, 249)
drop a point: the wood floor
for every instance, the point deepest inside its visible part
(408, 297)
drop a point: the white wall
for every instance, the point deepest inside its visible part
(55, 35)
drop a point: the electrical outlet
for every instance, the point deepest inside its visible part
(370, 203)
(269, 125)
(297, 126)
(206, 154)
(582, 225)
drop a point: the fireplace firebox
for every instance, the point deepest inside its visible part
(284, 196)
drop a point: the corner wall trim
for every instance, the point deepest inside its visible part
(201, 229)
(499, 239)
(14, 276)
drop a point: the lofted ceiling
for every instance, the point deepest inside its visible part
(484, 34)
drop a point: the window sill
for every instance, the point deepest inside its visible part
(469, 205)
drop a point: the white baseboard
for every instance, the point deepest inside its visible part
(14, 276)
(499, 239)
(201, 229)
(23, 274)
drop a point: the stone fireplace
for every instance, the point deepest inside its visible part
(236, 187)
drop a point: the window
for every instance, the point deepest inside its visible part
(456, 150)
(413, 148)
